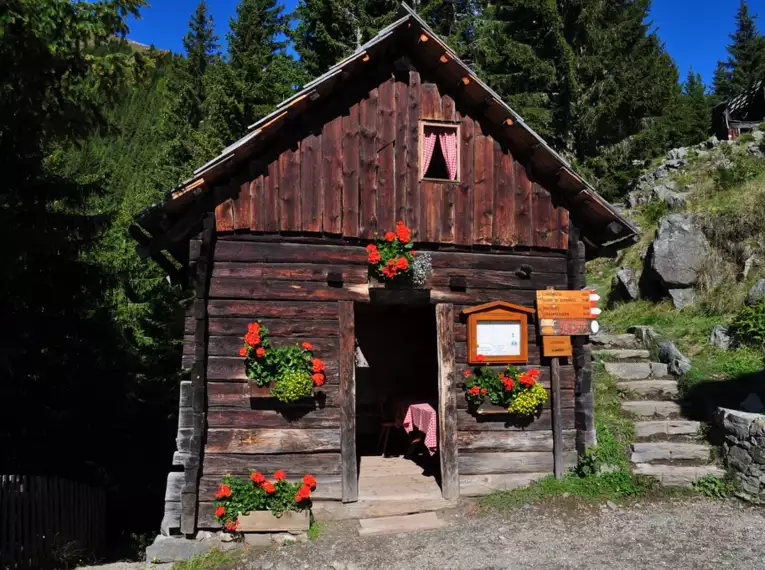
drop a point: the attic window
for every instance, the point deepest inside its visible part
(439, 151)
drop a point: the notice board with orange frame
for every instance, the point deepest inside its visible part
(498, 331)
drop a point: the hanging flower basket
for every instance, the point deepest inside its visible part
(519, 393)
(392, 259)
(291, 372)
(260, 505)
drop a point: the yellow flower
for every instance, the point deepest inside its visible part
(528, 401)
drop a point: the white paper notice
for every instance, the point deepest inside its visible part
(498, 338)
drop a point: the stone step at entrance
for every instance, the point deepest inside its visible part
(395, 525)
(652, 408)
(650, 428)
(604, 340)
(621, 354)
(677, 475)
(654, 388)
(658, 451)
(636, 370)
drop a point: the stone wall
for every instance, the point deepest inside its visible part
(744, 449)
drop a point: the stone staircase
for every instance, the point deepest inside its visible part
(667, 446)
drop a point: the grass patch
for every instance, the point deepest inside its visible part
(315, 530)
(215, 559)
(689, 329)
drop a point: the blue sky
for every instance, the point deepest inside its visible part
(695, 31)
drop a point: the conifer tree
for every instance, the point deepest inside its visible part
(200, 42)
(258, 57)
(746, 61)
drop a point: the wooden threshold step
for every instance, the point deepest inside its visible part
(364, 509)
(405, 523)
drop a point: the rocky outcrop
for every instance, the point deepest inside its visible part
(756, 293)
(677, 363)
(679, 251)
(744, 449)
(719, 337)
(624, 287)
(674, 260)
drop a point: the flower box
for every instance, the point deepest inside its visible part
(266, 521)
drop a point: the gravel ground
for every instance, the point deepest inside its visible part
(671, 534)
(676, 534)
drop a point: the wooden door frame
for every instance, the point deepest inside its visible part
(349, 468)
(447, 401)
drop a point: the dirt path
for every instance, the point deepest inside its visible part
(672, 534)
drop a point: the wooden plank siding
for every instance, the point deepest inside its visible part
(358, 172)
(284, 286)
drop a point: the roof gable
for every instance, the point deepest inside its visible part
(408, 35)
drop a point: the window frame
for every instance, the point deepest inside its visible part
(439, 124)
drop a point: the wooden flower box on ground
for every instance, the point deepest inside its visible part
(266, 521)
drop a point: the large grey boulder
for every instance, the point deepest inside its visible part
(720, 337)
(666, 192)
(679, 251)
(756, 293)
(677, 153)
(677, 363)
(624, 286)
(682, 298)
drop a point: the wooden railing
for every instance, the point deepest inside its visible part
(49, 522)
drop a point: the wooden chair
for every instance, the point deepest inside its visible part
(386, 424)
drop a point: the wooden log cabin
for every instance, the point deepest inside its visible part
(275, 228)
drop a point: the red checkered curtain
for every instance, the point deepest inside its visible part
(428, 146)
(448, 140)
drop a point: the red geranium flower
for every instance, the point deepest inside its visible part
(374, 258)
(251, 338)
(484, 391)
(243, 351)
(474, 391)
(232, 526)
(402, 232)
(220, 511)
(480, 358)
(223, 491)
(307, 346)
(466, 372)
(509, 384)
(303, 493)
(279, 475)
(318, 379)
(390, 236)
(268, 487)
(253, 328)
(309, 480)
(260, 352)
(402, 263)
(412, 252)
(318, 365)
(258, 478)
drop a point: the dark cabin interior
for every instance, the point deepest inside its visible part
(397, 365)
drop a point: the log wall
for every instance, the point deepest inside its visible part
(352, 169)
(284, 285)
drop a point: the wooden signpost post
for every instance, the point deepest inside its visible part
(562, 314)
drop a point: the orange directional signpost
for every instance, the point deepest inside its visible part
(563, 314)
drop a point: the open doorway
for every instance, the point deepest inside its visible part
(396, 394)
